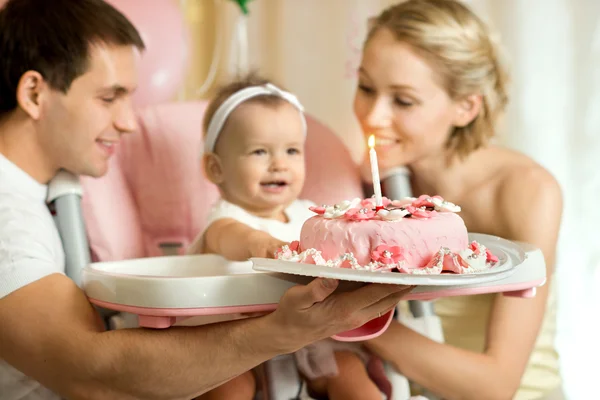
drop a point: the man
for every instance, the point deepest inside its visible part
(67, 71)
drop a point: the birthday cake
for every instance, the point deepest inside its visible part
(422, 235)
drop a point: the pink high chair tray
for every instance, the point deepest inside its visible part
(198, 289)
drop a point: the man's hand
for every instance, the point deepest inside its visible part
(313, 312)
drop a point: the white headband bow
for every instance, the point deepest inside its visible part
(222, 113)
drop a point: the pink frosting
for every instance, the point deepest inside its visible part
(420, 238)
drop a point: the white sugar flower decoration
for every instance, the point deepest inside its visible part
(393, 214)
(338, 210)
(443, 205)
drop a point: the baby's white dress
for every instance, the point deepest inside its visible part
(317, 359)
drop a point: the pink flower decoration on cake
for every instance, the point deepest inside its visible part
(446, 261)
(489, 257)
(388, 254)
(436, 202)
(454, 263)
(370, 202)
(420, 212)
(407, 201)
(294, 246)
(282, 252)
(425, 201)
(317, 209)
(360, 214)
(287, 250)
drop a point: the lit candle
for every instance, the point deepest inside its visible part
(375, 173)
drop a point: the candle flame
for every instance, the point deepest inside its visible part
(372, 141)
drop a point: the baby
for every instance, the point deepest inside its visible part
(254, 152)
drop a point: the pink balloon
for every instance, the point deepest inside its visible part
(162, 68)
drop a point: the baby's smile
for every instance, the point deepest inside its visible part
(274, 186)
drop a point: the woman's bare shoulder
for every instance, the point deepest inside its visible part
(519, 178)
(528, 196)
(505, 173)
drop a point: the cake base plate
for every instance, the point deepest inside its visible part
(509, 254)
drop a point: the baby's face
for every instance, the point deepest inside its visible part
(262, 157)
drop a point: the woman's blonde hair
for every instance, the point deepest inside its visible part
(460, 48)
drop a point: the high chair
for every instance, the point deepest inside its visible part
(155, 199)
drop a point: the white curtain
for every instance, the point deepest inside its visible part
(313, 47)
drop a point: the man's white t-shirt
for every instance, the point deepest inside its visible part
(30, 249)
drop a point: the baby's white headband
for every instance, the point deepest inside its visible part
(218, 120)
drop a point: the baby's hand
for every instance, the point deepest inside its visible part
(263, 245)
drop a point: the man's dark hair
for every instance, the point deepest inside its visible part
(53, 37)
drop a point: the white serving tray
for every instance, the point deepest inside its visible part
(164, 291)
(509, 254)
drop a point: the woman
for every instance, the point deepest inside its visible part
(431, 89)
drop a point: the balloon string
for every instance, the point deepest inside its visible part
(238, 61)
(212, 71)
(242, 31)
